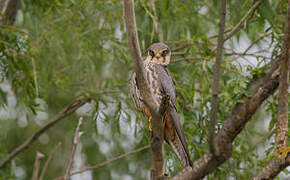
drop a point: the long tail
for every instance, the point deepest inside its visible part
(180, 152)
(178, 143)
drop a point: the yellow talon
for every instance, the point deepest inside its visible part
(150, 123)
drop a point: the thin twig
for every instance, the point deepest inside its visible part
(216, 35)
(255, 42)
(182, 46)
(215, 86)
(61, 115)
(242, 21)
(107, 162)
(38, 157)
(77, 136)
(247, 54)
(48, 160)
(35, 77)
(188, 59)
(5, 5)
(229, 30)
(177, 53)
(155, 20)
(9, 11)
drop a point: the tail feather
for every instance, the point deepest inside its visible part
(180, 152)
(179, 144)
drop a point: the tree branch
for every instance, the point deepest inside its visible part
(64, 113)
(260, 89)
(281, 139)
(189, 59)
(38, 157)
(9, 10)
(77, 136)
(134, 47)
(215, 86)
(155, 20)
(145, 92)
(157, 138)
(255, 42)
(48, 160)
(106, 162)
(242, 21)
(273, 169)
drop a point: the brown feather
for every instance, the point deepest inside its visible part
(160, 83)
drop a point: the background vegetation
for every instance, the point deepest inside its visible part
(56, 51)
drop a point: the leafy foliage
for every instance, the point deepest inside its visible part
(64, 49)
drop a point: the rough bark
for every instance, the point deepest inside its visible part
(281, 138)
(273, 169)
(282, 123)
(157, 124)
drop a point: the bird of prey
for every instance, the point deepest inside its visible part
(160, 83)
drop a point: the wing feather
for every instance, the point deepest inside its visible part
(167, 87)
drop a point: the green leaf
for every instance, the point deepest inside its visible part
(267, 12)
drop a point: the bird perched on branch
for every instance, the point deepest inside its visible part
(160, 84)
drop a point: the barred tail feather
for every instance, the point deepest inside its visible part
(180, 152)
(179, 144)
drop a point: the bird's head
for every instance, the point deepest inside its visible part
(159, 53)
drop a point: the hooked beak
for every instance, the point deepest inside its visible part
(157, 55)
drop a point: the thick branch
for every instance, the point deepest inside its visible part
(64, 113)
(134, 47)
(242, 21)
(260, 89)
(143, 86)
(215, 86)
(282, 123)
(157, 139)
(273, 169)
(281, 138)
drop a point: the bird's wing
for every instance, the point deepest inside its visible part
(177, 139)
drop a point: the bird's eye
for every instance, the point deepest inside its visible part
(151, 53)
(165, 52)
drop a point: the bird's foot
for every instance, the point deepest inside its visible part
(150, 123)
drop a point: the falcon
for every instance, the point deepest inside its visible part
(160, 84)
